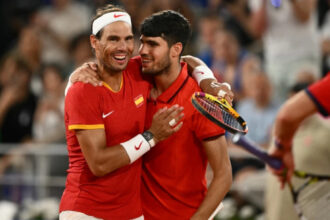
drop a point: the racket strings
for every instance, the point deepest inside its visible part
(314, 200)
(220, 113)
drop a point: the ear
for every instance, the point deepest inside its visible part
(93, 40)
(176, 49)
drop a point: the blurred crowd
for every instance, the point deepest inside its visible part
(264, 52)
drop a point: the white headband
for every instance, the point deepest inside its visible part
(109, 18)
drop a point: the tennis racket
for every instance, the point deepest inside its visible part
(311, 197)
(219, 112)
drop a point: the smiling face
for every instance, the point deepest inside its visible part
(155, 55)
(115, 46)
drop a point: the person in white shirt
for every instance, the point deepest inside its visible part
(290, 40)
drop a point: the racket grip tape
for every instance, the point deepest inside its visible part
(253, 149)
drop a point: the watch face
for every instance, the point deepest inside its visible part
(147, 135)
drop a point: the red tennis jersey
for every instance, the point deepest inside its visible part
(173, 174)
(122, 115)
(320, 94)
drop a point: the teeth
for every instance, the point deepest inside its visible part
(120, 57)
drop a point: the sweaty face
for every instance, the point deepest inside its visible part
(115, 47)
(155, 55)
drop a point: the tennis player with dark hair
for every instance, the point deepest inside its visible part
(173, 177)
(316, 98)
(105, 128)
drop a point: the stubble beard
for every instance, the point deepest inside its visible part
(164, 66)
(112, 68)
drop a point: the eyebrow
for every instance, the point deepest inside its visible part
(118, 37)
(151, 42)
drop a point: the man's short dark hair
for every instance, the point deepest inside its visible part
(104, 10)
(172, 26)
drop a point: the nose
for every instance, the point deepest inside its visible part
(122, 45)
(142, 49)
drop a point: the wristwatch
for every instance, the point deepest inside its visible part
(149, 137)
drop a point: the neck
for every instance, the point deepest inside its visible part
(164, 79)
(112, 78)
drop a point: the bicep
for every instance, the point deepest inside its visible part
(298, 108)
(92, 142)
(217, 154)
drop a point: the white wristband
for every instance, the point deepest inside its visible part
(136, 147)
(202, 72)
(152, 143)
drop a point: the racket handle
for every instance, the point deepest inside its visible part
(253, 149)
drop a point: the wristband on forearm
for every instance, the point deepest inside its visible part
(138, 145)
(283, 145)
(202, 72)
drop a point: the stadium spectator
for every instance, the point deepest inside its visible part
(237, 19)
(48, 124)
(208, 24)
(14, 16)
(17, 109)
(17, 102)
(58, 24)
(289, 53)
(29, 48)
(80, 51)
(228, 61)
(259, 111)
(259, 106)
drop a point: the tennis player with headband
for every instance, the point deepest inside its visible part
(200, 72)
(105, 128)
(199, 140)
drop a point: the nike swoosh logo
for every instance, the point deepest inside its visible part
(199, 72)
(138, 147)
(117, 16)
(106, 115)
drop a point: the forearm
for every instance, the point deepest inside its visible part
(303, 9)
(192, 62)
(101, 159)
(285, 128)
(109, 159)
(291, 114)
(216, 152)
(198, 69)
(217, 190)
(206, 80)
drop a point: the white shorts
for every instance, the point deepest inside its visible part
(73, 215)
